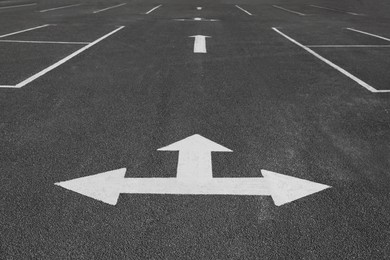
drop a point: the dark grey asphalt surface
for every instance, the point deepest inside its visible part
(276, 106)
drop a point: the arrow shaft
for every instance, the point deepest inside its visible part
(216, 186)
(200, 44)
(194, 166)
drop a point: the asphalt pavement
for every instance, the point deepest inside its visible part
(300, 88)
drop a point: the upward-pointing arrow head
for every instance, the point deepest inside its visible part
(284, 189)
(196, 143)
(199, 36)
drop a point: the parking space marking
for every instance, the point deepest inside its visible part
(60, 62)
(108, 8)
(336, 10)
(200, 43)
(370, 34)
(290, 11)
(348, 46)
(338, 68)
(154, 8)
(48, 42)
(16, 6)
(25, 30)
(57, 8)
(199, 8)
(242, 9)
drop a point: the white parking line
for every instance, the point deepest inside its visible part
(49, 42)
(199, 8)
(336, 10)
(16, 6)
(25, 30)
(108, 8)
(60, 62)
(288, 10)
(154, 8)
(56, 8)
(370, 34)
(242, 9)
(348, 46)
(338, 68)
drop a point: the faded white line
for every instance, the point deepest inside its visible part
(154, 8)
(348, 46)
(242, 9)
(288, 10)
(199, 8)
(336, 10)
(370, 34)
(49, 42)
(16, 6)
(108, 8)
(57, 8)
(60, 62)
(25, 30)
(343, 71)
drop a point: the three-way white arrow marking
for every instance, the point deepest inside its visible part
(194, 177)
(200, 43)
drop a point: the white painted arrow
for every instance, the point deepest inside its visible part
(194, 177)
(200, 43)
(108, 186)
(194, 164)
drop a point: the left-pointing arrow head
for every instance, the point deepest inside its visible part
(104, 186)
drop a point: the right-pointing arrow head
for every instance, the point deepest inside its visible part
(103, 186)
(285, 189)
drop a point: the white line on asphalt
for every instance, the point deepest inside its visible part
(336, 10)
(199, 8)
(370, 34)
(242, 9)
(56, 8)
(348, 46)
(288, 10)
(343, 71)
(60, 62)
(108, 8)
(25, 30)
(16, 6)
(154, 8)
(52, 42)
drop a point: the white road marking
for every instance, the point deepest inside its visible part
(288, 10)
(62, 61)
(343, 71)
(194, 177)
(336, 10)
(194, 162)
(197, 19)
(242, 9)
(57, 8)
(108, 8)
(199, 8)
(154, 8)
(49, 42)
(348, 46)
(25, 30)
(370, 34)
(16, 6)
(200, 43)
